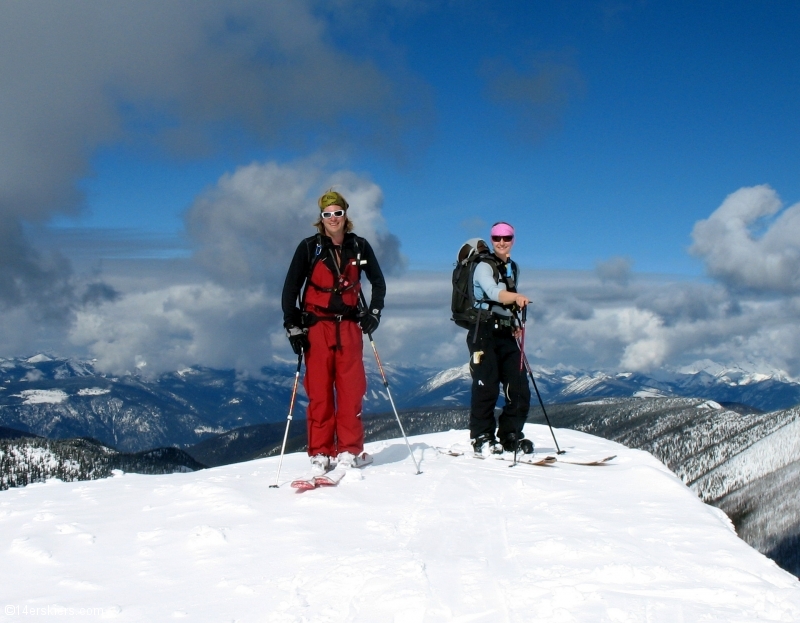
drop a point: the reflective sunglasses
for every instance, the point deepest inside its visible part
(336, 213)
(503, 238)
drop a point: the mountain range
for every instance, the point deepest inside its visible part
(61, 398)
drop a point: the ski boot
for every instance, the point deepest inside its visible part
(486, 445)
(516, 443)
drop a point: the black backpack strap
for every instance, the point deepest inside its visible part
(314, 251)
(511, 285)
(492, 261)
(360, 245)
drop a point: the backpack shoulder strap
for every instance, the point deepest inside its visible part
(359, 246)
(490, 259)
(314, 250)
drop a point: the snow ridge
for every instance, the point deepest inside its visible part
(465, 540)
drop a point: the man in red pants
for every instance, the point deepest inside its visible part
(327, 325)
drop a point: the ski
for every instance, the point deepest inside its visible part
(449, 451)
(309, 481)
(603, 461)
(334, 477)
(546, 460)
(305, 483)
(330, 478)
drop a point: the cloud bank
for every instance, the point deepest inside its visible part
(223, 311)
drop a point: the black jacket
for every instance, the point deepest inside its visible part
(303, 261)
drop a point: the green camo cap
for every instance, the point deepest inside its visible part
(332, 198)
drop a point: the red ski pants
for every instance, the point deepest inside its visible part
(335, 384)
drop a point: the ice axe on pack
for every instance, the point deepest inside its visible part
(386, 385)
(289, 417)
(523, 359)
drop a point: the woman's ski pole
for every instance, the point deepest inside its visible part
(289, 417)
(521, 341)
(524, 358)
(388, 391)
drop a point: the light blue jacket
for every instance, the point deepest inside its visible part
(484, 286)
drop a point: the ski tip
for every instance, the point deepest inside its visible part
(303, 485)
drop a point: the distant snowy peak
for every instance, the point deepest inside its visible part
(583, 386)
(40, 358)
(702, 365)
(458, 373)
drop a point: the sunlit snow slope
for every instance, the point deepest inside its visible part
(465, 541)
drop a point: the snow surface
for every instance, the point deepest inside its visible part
(649, 392)
(42, 396)
(93, 391)
(465, 541)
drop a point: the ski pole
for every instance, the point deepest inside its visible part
(289, 418)
(538, 395)
(522, 340)
(388, 391)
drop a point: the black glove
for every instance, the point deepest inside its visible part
(369, 321)
(298, 338)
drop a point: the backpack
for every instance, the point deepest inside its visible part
(463, 303)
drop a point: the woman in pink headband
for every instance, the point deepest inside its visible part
(502, 229)
(495, 354)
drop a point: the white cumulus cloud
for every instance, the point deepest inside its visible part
(245, 229)
(751, 242)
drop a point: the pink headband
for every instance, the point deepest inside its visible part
(502, 229)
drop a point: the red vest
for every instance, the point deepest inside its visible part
(332, 293)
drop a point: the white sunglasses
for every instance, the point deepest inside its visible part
(336, 213)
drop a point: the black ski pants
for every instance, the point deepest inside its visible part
(497, 365)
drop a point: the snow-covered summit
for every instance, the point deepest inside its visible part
(40, 358)
(459, 373)
(466, 540)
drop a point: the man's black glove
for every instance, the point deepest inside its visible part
(369, 320)
(298, 338)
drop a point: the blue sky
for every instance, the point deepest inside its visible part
(661, 110)
(151, 144)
